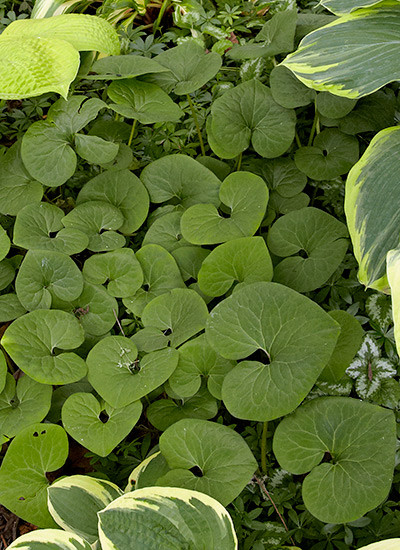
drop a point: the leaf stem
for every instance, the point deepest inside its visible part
(196, 121)
(132, 132)
(264, 448)
(239, 162)
(296, 135)
(163, 9)
(314, 127)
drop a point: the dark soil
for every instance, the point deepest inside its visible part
(11, 527)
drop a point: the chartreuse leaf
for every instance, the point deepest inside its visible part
(287, 90)
(37, 449)
(36, 224)
(369, 61)
(393, 274)
(181, 313)
(22, 403)
(243, 261)
(248, 114)
(389, 544)
(321, 240)
(372, 215)
(295, 337)
(3, 371)
(334, 106)
(188, 519)
(189, 68)
(165, 231)
(360, 440)
(75, 500)
(123, 190)
(222, 461)
(160, 275)
(142, 101)
(245, 194)
(120, 377)
(83, 32)
(333, 153)
(41, 539)
(115, 67)
(342, 7)
(31, 341)
(44, 274)
(10, 307)
(182, 179)
(120, 268)
(82, 418)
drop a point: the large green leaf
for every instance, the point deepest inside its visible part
(37, 449)
(389, 544)
(341, 7)
(41, 539)
(166, 232)
(10, 307)
(358, 442)
(115, 67)
(293, 336)
(369, 61)
(180, 517)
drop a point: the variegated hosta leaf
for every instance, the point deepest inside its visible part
(341, 7)
(393, 273)
(49, 538)
(369, 60)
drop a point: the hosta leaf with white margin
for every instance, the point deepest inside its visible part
(181, 313)
(147, 472)
(99, 221)
(190, 67)
(23, 403)
(379, 309)
(166, 231)
(347, 345)
(75, 500)
(333, 106)
(342, 7)
(393, 272)
(189, 260)
(197, 362)
(222, 461)
(3, 371)
(242, 261)
(360, 440)
(296, 335)
(36, 224)
(120, 377)
(182, 179)
(313, 233)
(120, 269)
(41, 539)
(7, 273)
(369, 61)
(95, 149)
(44, 274)
(389, 544)
(189, 519)
(31, 341)
(287, 90)
(160, 275)
(81, 418)
(245, 194)
(37, 449)
(115, 67)
(10, 307)
(95, 309)
(165, 412)
(83, 32)
(332, 154)
(281, 175)
(248, 114)
(142, 101)
(123, 190)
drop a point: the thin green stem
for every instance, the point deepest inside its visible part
(296, 135)
(239, 162)
(264, 448)
(9, 363)
(132, 132)
(196, 122)
(163, 9)
(314, 127)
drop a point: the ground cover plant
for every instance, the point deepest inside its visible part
(179, 298)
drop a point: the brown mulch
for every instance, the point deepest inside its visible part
(11, 527)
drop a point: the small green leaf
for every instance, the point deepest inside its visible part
(165, 231)
(94, 149)
(10, 308)
(7, 273)
(334, 106)
(287, 90)
(115, 67)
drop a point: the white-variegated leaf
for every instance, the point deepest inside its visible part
(49, 538)
(393, 274)
(341, 7)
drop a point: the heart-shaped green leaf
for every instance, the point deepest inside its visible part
(294, 338)
(334, 106)
(321, 240)
(37, 449)
(120, 377)
(32, 341)
(41, 539)
(281, 175)
(165, 231)
(360, 440)
(222, 461)
(248, 113)
(95, 149)
(245, 194)
(61, 394)
(287, 90)
(82, 419)
(23, 403)
(115, 67)
(189, 260)
(10, 308)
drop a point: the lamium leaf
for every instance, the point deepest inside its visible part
(358, 440)
(222, 462)
(248, 114)
(318, 237)
(37, 449)
(182, 179)
(10, 308)
(120, 377)
(287, 90)
(41, 539)
(190, 520)
(293, 336)
(75, 500)
(100, 433)
(123, 190)
(115, 67)
(22, 403)
(242, 261)
(245, 194)
(32, 340)
(142, 101)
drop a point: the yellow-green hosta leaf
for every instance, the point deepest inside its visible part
(44, 65)
(369, 60)
(389, 544)
(83, 32)
(393, 274)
